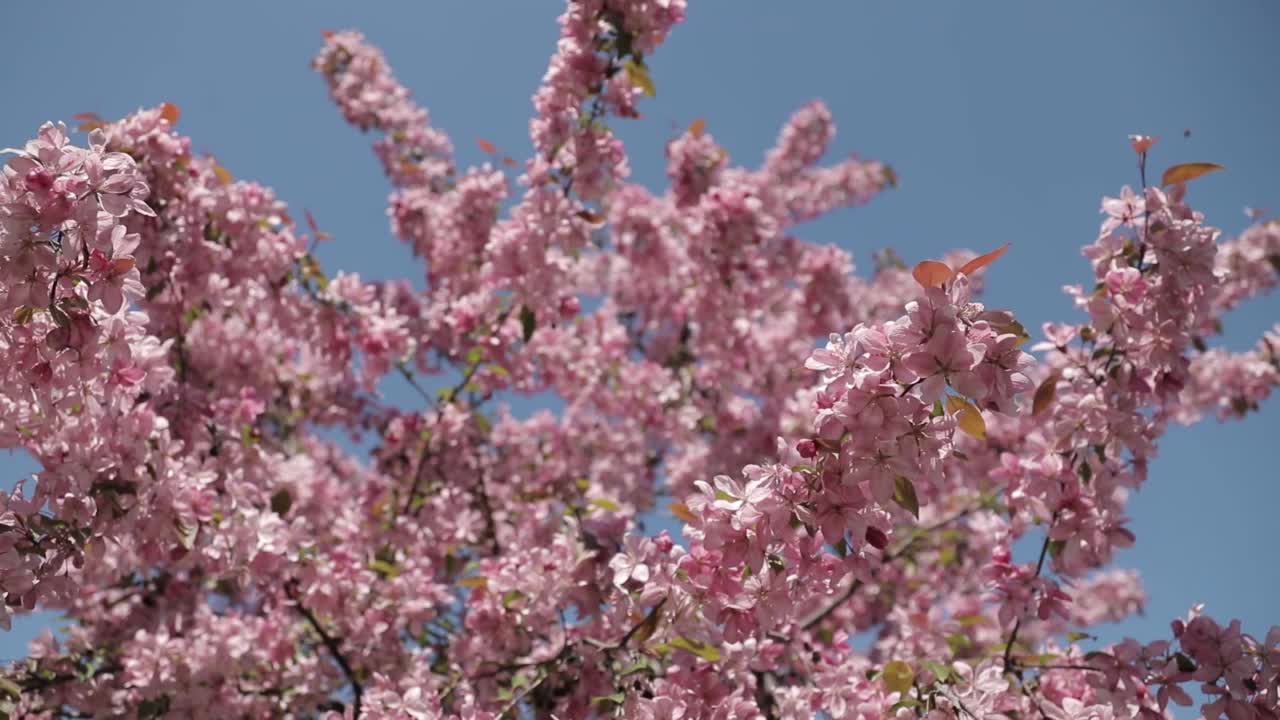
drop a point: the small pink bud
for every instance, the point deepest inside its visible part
(42, 373)
(569, 306)
(807, 448)
(39, 180)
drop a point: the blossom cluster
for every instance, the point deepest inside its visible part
(180, 364)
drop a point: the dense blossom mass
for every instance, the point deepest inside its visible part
(177, 361)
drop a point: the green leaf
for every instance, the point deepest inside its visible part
(192, 313)
(154, 708)
(59, 317)
(528, 322)
(904, 493)
(281, 501)
(643, 665)
(940, 671)
(23, 314)
(1185, 664)
(958, 642)
(890, 176)
(1076, 636)
(10, 688)
(898, 676)
(638, 74)
(511, 598)
(614, 699)
(826, 635)
(1015, 328)
(947, 555)
(1056, 547)
(384, 568)
(73, 304)
(606, 504)
(475, 355)
(703, 650)
(937, 409)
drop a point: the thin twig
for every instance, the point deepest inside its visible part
(622, 642)
(413, 382)
(1013, 635)
(1088, 668)
(334, 649)
(821, 614)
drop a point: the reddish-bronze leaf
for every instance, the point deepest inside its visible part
(982, 260)
(170, 112)
(968, 417)
(697, 127)
(931, 273)
(1045, 394)
(1187, 172)
(88, 121)
(681, 511)
(486, 146)
(222, 174)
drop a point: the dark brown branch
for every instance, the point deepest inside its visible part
(334, 648)
(822, 613)
(765, 701)
(622, 642)
(1033, 666)
(1013, 635)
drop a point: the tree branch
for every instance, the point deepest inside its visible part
(334, 649)
(822, 613)
(1013, 635)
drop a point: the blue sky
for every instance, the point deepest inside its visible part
(1005, 121)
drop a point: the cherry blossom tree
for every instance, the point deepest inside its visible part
(178, 362)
